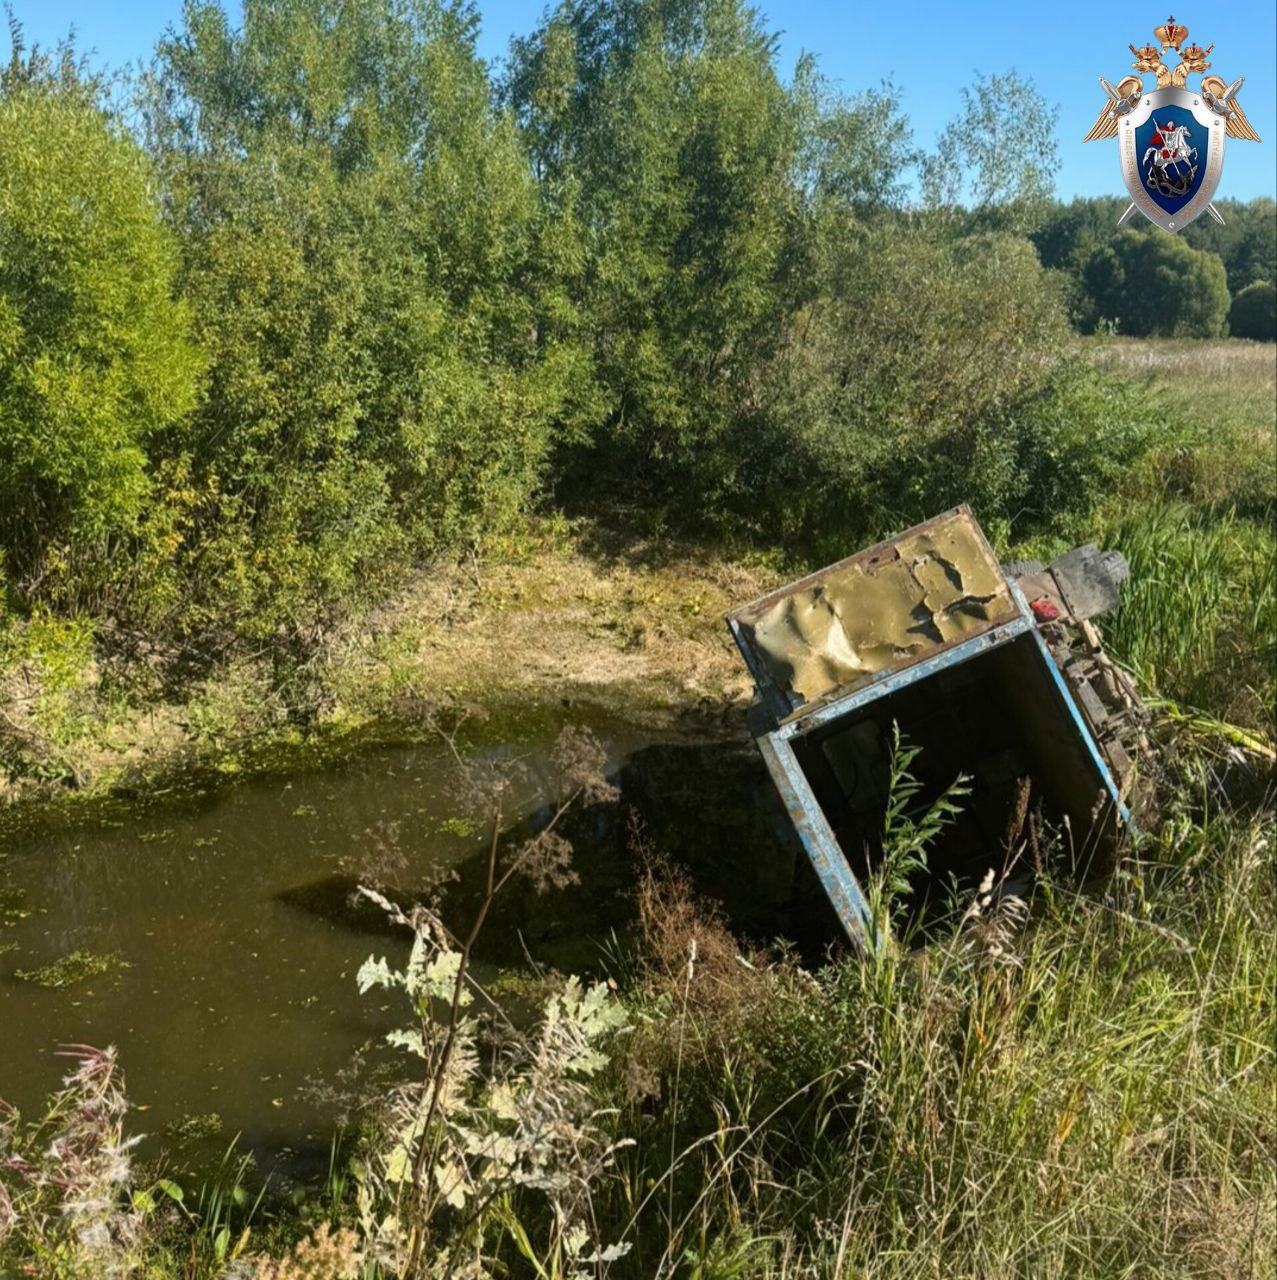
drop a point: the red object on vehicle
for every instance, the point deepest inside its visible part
(1045, 611)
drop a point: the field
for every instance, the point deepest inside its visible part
(1221, 409)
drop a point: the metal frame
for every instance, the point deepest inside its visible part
(790, 722)
(818, 839)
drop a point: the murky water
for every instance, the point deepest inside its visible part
(234, 1007)
(235, 994)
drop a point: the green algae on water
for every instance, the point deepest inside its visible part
(193, 1128)
(76, 967)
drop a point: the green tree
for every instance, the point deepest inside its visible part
(378, 288)
(1068, 237)
(1153, 284)
(940, 376)
(95, 357)
(997, 158)
(1254, 313)
(665, 133)
(1072, 235)
(1246, 242)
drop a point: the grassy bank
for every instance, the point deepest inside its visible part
(553, 613)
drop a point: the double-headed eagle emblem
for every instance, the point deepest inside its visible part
(1171, 141)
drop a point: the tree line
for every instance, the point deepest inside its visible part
(1209, 280)
(321, 296)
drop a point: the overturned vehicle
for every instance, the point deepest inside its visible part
(994, 672)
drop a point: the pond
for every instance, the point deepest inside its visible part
(231, 943)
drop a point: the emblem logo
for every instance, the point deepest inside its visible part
(1171, 141)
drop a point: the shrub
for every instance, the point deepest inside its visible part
(1254, 312)
(929, 372)
(376, 288)
(95, 358)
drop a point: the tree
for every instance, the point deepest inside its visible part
(897, 389)
(665, 132)
(377, 288)
(1254, 313)
(997, 158)
(1153, 284)
(95, 356)
(1073, 238)
(1246, 242)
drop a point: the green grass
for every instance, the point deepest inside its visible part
(1218, 401)
(1198, 620)
(1089, 1098)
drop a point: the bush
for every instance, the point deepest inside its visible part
(1154, 285)
(930, 372)
(1254, 312)
(95, 358)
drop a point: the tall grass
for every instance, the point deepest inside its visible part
(1218, 406)
(1093, 1099)
(1198, 620)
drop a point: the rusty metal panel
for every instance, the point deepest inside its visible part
(892, 681)
(895, 604)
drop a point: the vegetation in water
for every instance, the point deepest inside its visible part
(13, 907)
(194, 1128)
(73, 968)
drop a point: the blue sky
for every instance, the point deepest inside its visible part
(928, 48)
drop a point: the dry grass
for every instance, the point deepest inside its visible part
(691, 953)
(560, 617)
(1220, 405)
(324, 1255)
(1226, 389)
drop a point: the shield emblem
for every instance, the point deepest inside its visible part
(1172, 149)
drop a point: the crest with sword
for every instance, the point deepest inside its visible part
(1171, 141)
